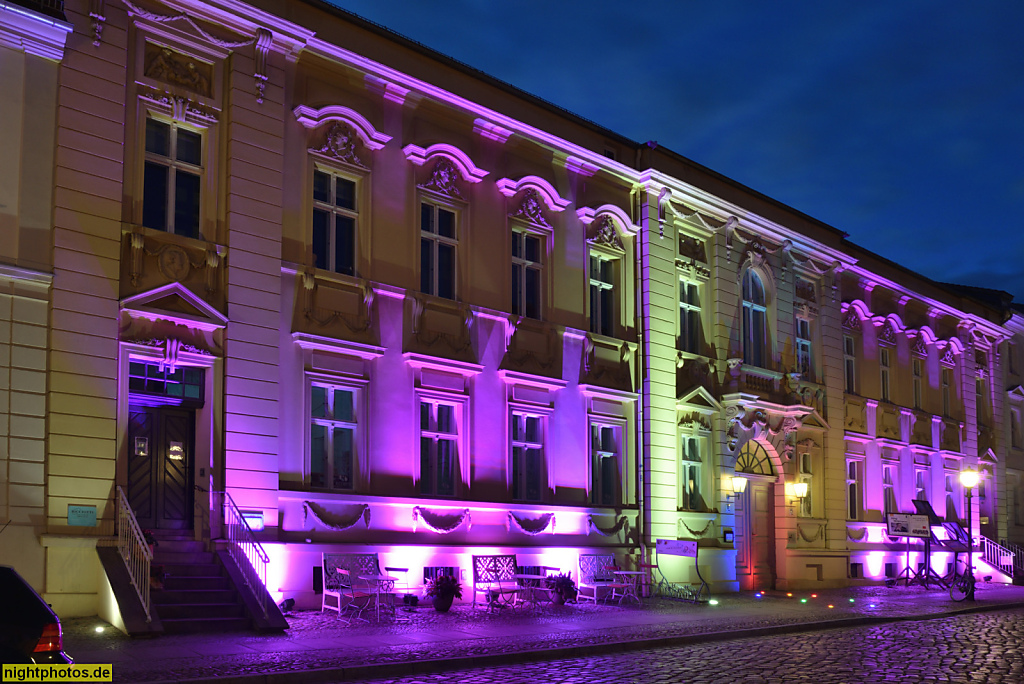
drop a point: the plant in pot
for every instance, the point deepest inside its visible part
(562, 588)
(444, 589)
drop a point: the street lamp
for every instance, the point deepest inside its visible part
(969, 480)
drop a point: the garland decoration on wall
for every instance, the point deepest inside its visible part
(697, 533)
(814, 537)
(336, 521)
(621, 526)
(528, 526)
(856, 538)
(441, 522)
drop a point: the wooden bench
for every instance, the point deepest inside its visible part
(341, 572)
(597, 581)
(494, 581)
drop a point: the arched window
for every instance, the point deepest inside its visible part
(754, 459)
(755, 328)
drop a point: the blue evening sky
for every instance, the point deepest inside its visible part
(900, 123)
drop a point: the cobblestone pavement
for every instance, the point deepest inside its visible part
(322, 647)
(980, 647)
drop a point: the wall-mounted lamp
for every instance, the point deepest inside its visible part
(800, 490)
(737, 485)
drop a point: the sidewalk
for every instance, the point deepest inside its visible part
(323, 648)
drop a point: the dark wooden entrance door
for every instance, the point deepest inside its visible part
(160, 462)
(755, 532)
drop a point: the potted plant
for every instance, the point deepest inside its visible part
(562, 588)
(444, 589)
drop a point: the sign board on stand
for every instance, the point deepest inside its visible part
(676, 547)
(906, 525)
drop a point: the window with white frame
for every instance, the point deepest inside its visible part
(883, 363)
(602, 294)
(527, 456)
(172, 178)
(854, 488)
(690, 472)
(1013, 482)
(606, 458)
(804, 360)
(849, 364)
(527, 272)
(333, 432)
(917, 371)
(755, 321)
(951, 497)
(334, 221)
(984, 477)
(807, 477)
(439, 446)
(689, 317)
(946, 391)
(889, 475)
(1015, 436)
(1011, 357)
(980, 403)
(438, 246)
(921, 484)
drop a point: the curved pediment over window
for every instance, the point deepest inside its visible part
(313, 118)
(469, 171)
(543, 189)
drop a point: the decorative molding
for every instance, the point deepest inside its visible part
(97, 13)
(313, 118)
(391, 92)
(178, 69)
(461, 161)
(184, 16)
(539, 186)
(621, 525)
(602, 232)
(439, 521)
(697, 534)
(35, 33)
(819, 530)
(264, 39)
(337, 522)
(339, 142)
(180, 108)
(530, 527)
(491, 131)
(580, 167)
(587, 216)
(856, 538)
(444, 179)
(529, 210)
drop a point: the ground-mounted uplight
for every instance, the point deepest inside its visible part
(851, 600)
(789, 594)
(713, 602)
(814, 596)
(99, 629)
(803, 600)
(831, 606)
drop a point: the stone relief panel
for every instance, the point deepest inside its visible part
(176, 69)
(534, 348)
(856, 415)
(150, 261)
(334, 309)
(439, 328)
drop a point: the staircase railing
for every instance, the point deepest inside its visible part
(247, 553)
(996, 555)
(1018, 556)
(132, 546)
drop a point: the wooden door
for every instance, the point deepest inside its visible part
(160, 462)
(755, 537)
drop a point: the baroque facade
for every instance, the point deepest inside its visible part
(391, 305)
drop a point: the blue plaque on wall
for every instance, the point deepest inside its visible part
(82, 516)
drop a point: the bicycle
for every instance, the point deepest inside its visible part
(962, 585)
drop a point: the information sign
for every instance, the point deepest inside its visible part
(906, 525)
(81, 516)
(677, 547)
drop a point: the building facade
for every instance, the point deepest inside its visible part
(391, 305)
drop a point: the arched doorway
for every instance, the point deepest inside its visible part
(755, 518)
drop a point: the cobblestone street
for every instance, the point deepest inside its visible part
(967, 648)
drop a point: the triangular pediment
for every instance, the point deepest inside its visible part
(697, 398)
(988, 456)
(176, 303)
(1016, 393)
(814, 420)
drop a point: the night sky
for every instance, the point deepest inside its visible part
(900, 123)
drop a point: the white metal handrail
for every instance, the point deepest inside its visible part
(247, 553)
(132, 546)
(996, 555)
(1018, 555)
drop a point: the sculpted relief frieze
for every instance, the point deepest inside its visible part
(174, 68)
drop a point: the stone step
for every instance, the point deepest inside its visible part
(190, 569)
(180, 546)
(203, 625)
(189, 583)
(162, 557)
(165, 596)
(197, 611)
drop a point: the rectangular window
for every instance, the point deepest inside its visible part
(853, 490)
(921, 485)
(1015, 437)
(527, 262)
(172, 178)
(951, 497)
(334, 222)
(438, 243)
(690, 475)
(527, 456)
(439, 447)
(1014, 483)
(849, 364)
(889, 474)
(602, 295)
(605, 449)
(918, 373)
(1011, 357)
(332, 436)
(807, 477)
(883, 363)
(804, 362)
(689, 317)
(946, 391)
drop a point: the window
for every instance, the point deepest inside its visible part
(981, 404)
(172, 178)
(849, 364)
(438, 241)
(918, 372)
(853, 489)
(1015, 428)
(883, 363)
(689, 317)
(889, 474)
(602, 295)
(332, 433)
(803, 348)
(806, 475)
(921, 485)
(527, 456)
(946, 373)
(527, 261)
(951, 496)
(1011, 357)
(605, 444)
(755, 327)
(1013, 482)
(439, 447)
(161, 385)
(690, 475)
(334, 222)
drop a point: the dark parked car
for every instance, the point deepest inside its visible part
(29, 629)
